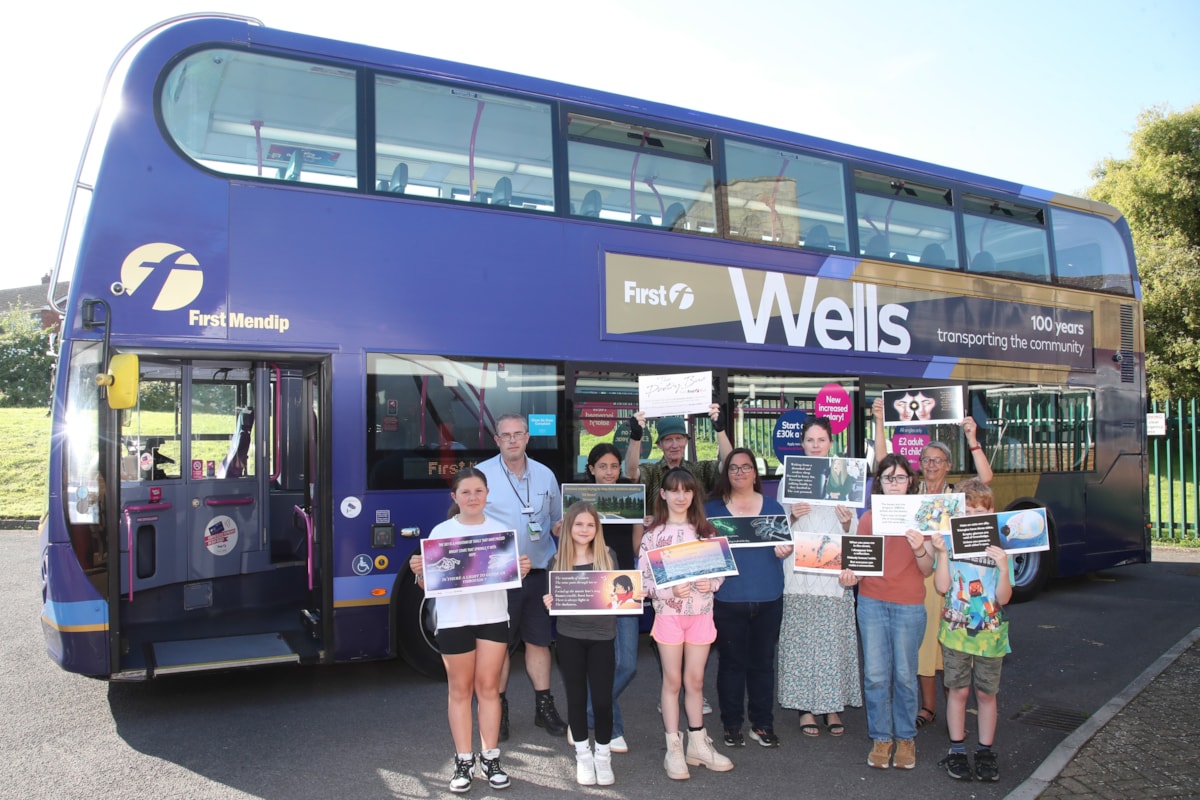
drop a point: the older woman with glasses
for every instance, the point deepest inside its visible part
(748, 609)
(935, 468)
(891, 622)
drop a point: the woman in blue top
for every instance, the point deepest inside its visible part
(747, 608)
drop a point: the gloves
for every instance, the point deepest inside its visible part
(635, 430)
(719, 424)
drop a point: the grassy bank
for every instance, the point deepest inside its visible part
(25, 433)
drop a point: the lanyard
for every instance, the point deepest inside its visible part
(525, 508)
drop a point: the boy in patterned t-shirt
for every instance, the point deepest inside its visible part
(974, 637)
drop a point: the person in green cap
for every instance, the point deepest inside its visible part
(673, 438)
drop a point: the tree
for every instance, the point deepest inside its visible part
(25, 360)
(1158, 190)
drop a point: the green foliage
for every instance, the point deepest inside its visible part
(1158, 190)
(25, 362)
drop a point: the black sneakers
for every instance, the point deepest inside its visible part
(957, 765)
(764, 736)
(461, 781)
(490, 769)
(986, 768)
(734, 738)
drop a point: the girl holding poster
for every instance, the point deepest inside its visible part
(604, 466)
(472, 633)
(891, 621)
(585, 648)
(683, 624)
(818, 645)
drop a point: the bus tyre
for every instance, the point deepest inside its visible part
(415, 640)
(1030, 573)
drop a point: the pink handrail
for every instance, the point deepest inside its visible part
(309, 530)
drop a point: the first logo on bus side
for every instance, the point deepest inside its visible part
(179, 278)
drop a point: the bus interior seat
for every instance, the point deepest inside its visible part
(818, 237)
(877, 247)
(934, 255)
(983, 261)
(292, 171)
(644, 219)
(591, 204)
(675, 217)
(399, 179)
(502, 194)
(234, 463)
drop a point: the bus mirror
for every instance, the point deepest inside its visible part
(121, 380)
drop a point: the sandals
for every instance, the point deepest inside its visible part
(922, 720)
(834, 728)
(809, 728)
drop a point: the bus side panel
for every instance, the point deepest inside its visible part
(74, 615)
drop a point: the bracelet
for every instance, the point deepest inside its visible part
(976, 447)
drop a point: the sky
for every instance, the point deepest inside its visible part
(1032, 91)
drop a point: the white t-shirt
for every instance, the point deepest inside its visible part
(480, 608)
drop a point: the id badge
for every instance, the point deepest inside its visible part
(535, 531)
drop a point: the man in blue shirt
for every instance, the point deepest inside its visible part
(524, 496)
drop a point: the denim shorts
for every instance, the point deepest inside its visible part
(960, 667)
(681, 629)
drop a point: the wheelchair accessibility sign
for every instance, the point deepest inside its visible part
(362, 564)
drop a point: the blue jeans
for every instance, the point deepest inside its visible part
(747, 636)
(891, 635)
(626, 648)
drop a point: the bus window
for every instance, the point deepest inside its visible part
(632, 174)
(783, 197)
(427, 415)
(1037, 429)
(222, 422)
(760, 400)
(1089, 253)
(444, 142)
(899, 220)
(152, 430)
(1006, 239)
(603, 402)
(247, 114)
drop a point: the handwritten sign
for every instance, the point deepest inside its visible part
(683, 394)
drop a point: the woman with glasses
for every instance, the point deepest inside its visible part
(935, 468)
(891, 622)
(818, 644)
(748, 608)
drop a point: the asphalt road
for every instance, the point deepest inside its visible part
(378, 730)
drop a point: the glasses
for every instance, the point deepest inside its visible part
(933, 462)
(511, 437)
(741, 469)
(895, 478)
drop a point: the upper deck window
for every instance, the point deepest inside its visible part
(786, 198)
(1006, 239)
(247, 114)
(1089, 253)
(433, 140)
(905, 221)
(630, 173)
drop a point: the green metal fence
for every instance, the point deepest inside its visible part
(1174, 500)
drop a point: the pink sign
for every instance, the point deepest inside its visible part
(197, 469)
(909, 441)
(833, 403)
(598, 418)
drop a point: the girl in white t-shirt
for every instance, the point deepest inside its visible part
(472, 633)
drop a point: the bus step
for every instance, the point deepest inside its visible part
(222, 652)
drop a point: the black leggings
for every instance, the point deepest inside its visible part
(588, 664)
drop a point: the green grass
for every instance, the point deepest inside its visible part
(23, 459)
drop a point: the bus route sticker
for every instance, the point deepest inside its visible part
(220, 535)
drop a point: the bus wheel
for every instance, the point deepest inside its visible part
(1030, 573)
(415, 628)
